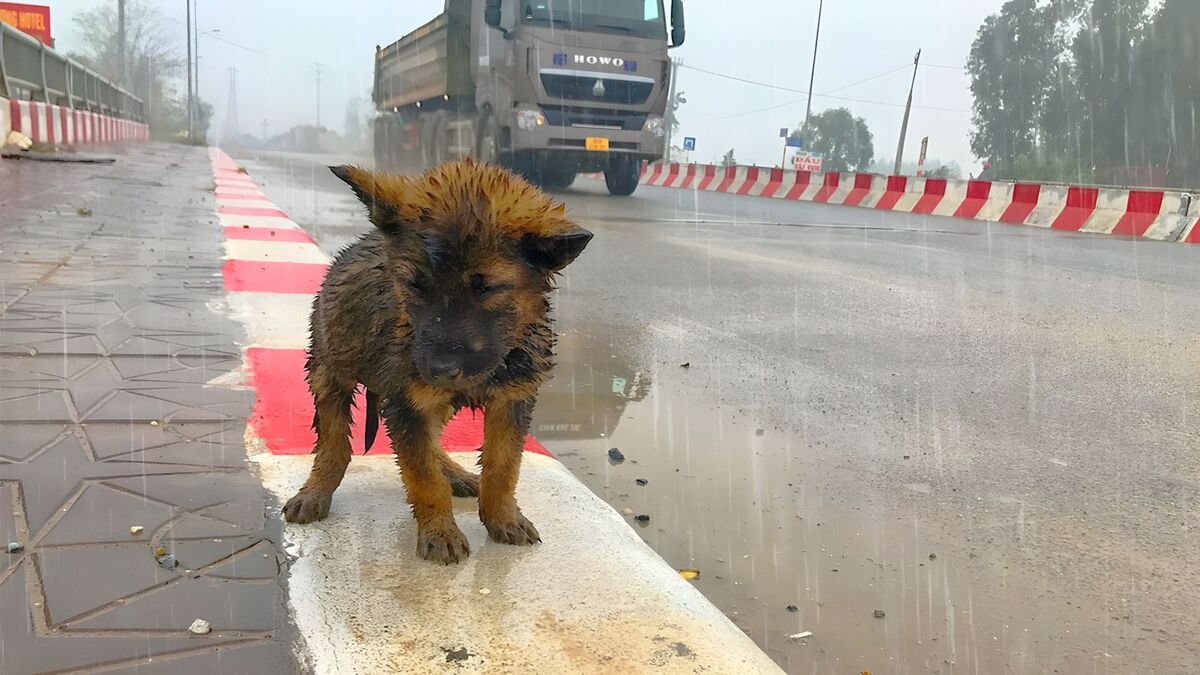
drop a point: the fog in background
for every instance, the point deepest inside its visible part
(769, 42)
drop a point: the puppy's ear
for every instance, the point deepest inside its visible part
(372, 189)
(554, 252)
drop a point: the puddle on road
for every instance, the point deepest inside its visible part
(784, 514)
(754, 509)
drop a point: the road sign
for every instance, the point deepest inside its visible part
(921, 159)
(783, 132)
(689, 143)
(808, 161)
(795, 142)
(32, 20)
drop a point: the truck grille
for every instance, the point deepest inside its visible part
(583, 88)
(566, 116)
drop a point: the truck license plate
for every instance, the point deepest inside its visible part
(594, 143)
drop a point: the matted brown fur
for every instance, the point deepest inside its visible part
(442, 306)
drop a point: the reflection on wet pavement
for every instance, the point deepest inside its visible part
(942, 467)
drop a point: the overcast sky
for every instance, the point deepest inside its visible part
(767, 41)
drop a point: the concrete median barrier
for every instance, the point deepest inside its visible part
(591, 598)
(1162, 215)
(59, 125)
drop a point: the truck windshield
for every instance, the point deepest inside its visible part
(641, 18)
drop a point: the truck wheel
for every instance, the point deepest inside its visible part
(487, 145)
(622, 175)
(439, 142)
(559, 179)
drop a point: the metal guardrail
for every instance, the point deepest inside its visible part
(29, 70)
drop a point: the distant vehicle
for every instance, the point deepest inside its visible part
(551, 89)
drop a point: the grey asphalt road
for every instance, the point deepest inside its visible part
(941, 446)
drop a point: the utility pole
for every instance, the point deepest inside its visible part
(121, 43)
(907, 109)
(317, 66)
(812, 77)
(265, 124)
(230, 131)
(670, 117)
(196, 42)
(189, 68)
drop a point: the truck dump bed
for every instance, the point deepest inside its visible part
(429, 63)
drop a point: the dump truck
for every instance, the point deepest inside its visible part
(551, 88)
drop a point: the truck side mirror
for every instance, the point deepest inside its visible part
(678, 32)
(491, 13)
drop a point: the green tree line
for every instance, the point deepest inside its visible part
(1091, 91)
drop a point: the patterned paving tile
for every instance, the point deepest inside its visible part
(108, 422)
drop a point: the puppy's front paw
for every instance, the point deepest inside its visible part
(307, 507)
(442, 543)
(515, 530)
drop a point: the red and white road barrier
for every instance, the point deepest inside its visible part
(1150, 214)
(58, 125)
(343, 585)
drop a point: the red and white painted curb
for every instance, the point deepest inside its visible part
(58, 125)
(1162, 215)
(591, 597)
(272, 272)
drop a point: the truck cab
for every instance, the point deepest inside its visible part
(589, 88)
(549, 88)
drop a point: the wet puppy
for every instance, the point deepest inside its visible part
(442, 306)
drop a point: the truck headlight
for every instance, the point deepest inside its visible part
(656, 125)
(528, 120)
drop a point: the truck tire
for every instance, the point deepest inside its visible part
(383, 140)
(487, 143)
(558, 179)
(622, 175)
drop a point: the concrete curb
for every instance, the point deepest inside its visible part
(1161, 215)
(593, 597)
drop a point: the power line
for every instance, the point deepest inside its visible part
(874, 77)
(218, 38)
(801, 91)
(799, 100)
(935, 65)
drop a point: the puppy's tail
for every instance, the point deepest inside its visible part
(372, 422)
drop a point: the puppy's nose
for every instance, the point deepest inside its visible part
(445, 367)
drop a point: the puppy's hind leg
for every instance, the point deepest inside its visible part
(332, 424)
(463, 483)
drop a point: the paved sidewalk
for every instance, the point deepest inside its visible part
(113, 416)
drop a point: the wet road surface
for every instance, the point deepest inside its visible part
(948, 446)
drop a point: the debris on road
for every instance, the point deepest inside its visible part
(793, 608)
(160, 551)
(83, 211)
(153, 423)
(689, 573)
(759, 432)
(168, 561)
(641, 481)
(879, 614)
(15, 547)
(642, 518)
(627, 511)
(136, 530)
(801, 635)
(686, 365)
(200, 627)
(616, 455)
(933, 556)
(485, 591)
(18, 139)
(55, 157)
